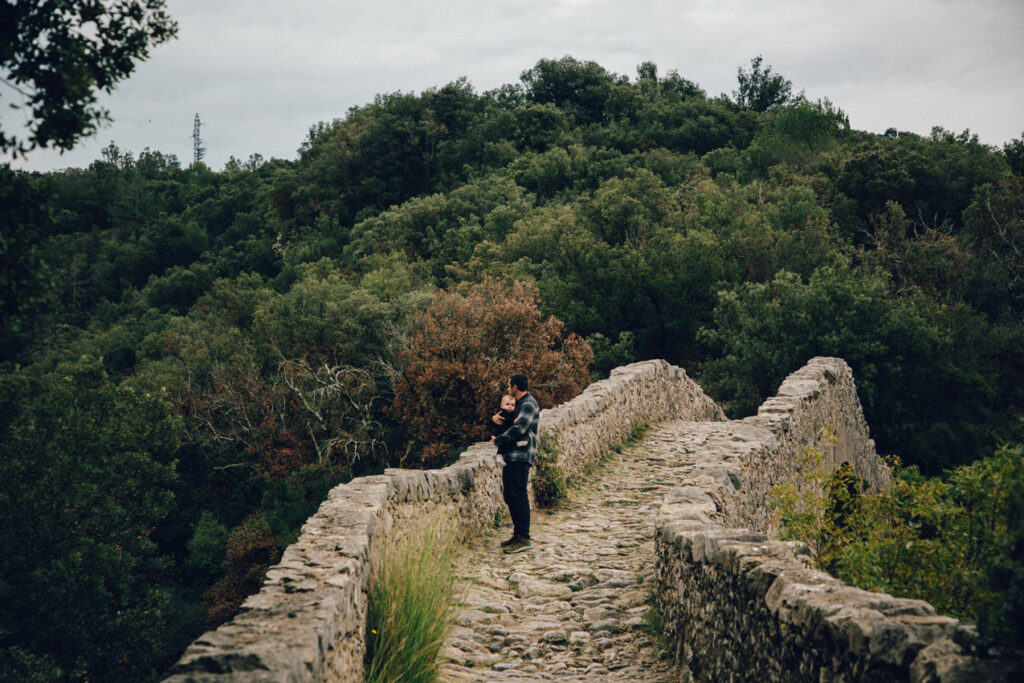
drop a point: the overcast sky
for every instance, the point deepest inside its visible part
(260, 72)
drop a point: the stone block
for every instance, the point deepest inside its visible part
(688, 494)
(694, 511)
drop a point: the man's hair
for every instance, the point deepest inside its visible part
(519, 382)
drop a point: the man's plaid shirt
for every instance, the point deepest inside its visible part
(521, 437)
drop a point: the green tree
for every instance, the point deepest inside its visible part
(56, 55)
(799, 134)
(932, 178)
(24, 276)
(87, 476)
(954, 541)
(999, 489)
(584, 89)
(937, 262)
(995, 224)
(923, 395)
(1014, 153)
(760, 89)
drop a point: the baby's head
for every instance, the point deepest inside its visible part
(508, 402)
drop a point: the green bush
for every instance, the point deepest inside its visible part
(799, 506)
(413, 597)
(550, 482)
(206, 547)
(991, 492)
(957, 541)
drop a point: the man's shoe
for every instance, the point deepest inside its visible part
(516, 545)
(505, 544)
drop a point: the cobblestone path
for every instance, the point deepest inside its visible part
(573, 606)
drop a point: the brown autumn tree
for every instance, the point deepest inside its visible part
(247, 421)
(272, 424)
(464, 347)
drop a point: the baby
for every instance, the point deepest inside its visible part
(505, 415)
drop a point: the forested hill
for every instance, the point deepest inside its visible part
(192, 358)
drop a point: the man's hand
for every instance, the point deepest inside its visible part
(498, 419)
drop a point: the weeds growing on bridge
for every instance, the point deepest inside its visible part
(636, 434)
(652, 625)
(639, 431)
(413, 598)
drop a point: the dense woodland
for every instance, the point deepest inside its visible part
(192, 358)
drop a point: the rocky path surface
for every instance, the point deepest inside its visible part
(576, 605)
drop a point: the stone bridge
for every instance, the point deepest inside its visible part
(679, 521)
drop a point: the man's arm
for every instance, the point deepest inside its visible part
(528, 414)
(499, 422)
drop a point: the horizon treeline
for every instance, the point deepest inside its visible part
(193, 358)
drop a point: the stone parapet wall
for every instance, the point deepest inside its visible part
(606, 413)
(737, 605)
(815, 407)
(308, 621)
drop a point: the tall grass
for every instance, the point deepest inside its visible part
(413, 598)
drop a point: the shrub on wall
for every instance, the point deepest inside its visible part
(550, 484)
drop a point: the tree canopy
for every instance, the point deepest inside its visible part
(223, 347)
(760, 89)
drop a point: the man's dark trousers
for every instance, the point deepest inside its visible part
(514, 478)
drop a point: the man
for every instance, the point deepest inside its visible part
(518, 443)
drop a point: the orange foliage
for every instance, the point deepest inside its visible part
(462, 352)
